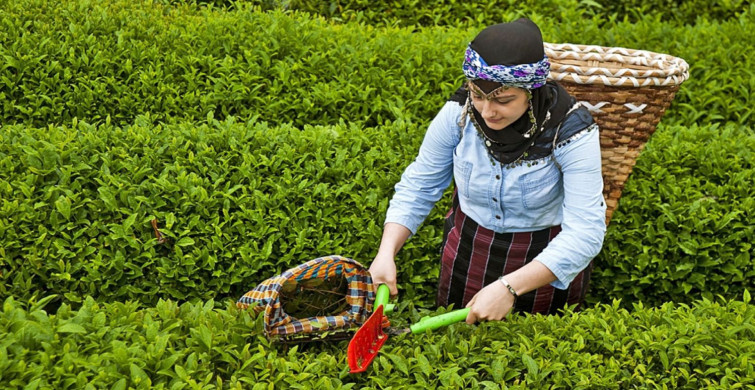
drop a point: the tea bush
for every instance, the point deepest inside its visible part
(456, 12)
(259, 136)
(237, 201)
(113, 61)
(240, 202)
(708, 344)
(116, 60)
(684, 219)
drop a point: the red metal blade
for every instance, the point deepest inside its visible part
(367, 341)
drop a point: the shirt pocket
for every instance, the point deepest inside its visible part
(540, 188)
(462, 174)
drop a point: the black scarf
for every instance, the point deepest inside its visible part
(518, 42)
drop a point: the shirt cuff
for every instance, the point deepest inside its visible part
(562, 278)
(405, 222)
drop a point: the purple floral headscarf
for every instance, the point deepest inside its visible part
(512, 55)
(527, 76)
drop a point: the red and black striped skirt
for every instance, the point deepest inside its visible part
(473, 257)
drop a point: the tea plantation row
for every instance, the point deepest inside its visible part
(259, 140)
(115, 60)
(240, 202)
(458, 12)
(195, 346)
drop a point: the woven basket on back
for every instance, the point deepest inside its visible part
(627, 91)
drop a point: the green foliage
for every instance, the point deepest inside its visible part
(113, 61)
(684, 227)
(206, 345)
(238, 203)
(116, 60)
(236, 199)
(119, 346)
(259, 137)
(51, 195)
(458, 12)
(412, 13)
(678, 11)
(241, 202)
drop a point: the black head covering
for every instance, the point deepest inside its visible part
(518, 42)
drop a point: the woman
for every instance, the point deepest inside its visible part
(528, 213)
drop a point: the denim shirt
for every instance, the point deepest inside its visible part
(564, 188)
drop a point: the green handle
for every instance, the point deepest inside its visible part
(432, 323)
(382, 296)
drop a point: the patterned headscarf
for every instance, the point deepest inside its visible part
(526, 76)
(512, 55)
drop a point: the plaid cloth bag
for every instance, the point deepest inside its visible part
(323, 298)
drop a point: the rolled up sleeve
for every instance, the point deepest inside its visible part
(584, 211)
(426, 178)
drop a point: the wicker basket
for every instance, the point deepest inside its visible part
(627, 91)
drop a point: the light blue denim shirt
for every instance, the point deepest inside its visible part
(525, 197)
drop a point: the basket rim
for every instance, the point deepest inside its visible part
(614, 66)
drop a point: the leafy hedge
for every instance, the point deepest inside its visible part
(241, 202)
(117, 345)
(457, 12)
(112, 61)
(249, 139)
(684, 222)
(179, 63)
(238, 202)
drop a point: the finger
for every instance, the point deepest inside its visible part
(471, 317)
(375, 284)
(502, 316)
(471, 301)
(377, 280)
(392, 287)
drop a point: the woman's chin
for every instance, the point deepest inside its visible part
(495, 125)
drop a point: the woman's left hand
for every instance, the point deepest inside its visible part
(492, 303)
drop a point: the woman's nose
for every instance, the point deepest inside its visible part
(487, 109)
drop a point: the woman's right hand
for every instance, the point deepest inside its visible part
(383, 267)
(383, 271)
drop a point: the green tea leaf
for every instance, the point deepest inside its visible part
(138, 376)
(185, 241)
(70, 327)
(107, 197)
(120, 385)
(63, 205)
(530, 364)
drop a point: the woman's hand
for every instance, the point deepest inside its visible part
(383, 271)
(383, 267)
(492, 303)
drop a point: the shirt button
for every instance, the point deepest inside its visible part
(496, 200)
(497, 217)
(498, 177)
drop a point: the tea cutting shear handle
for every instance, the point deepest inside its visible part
(439, 321)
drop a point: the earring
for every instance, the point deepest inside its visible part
(531, 113)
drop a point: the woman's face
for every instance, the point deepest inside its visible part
(501, 109)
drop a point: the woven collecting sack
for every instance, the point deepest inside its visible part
(322, 298)
(627, 91)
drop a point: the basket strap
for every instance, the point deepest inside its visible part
(575, 107)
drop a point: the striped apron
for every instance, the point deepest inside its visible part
(473, 257)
